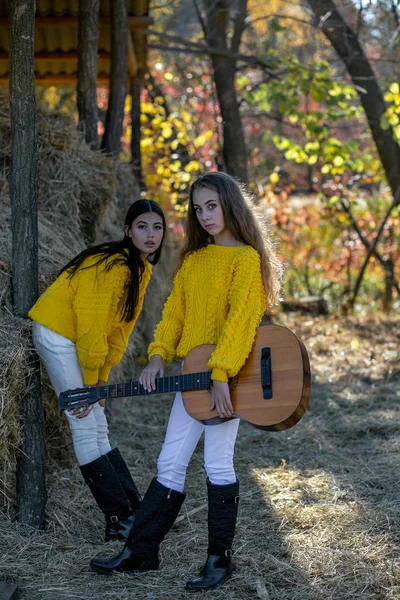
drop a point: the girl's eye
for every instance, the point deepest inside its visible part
(197, 210)
(158, 227)
(212, 206)
(142, 226)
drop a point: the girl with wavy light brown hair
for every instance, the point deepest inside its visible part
(228, 277)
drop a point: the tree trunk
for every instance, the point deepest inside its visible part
(23, 195)
(348, 47)
(216, 24)
(118, 78)
(136, 87)
(88, 33)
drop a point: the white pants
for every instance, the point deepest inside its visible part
(183, 434)
(60, 359)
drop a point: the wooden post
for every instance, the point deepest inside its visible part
(136, 87)
(23, 194)
(118, 78)
(88, 33)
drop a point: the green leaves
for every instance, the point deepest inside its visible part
(391, 118)
(313, 101)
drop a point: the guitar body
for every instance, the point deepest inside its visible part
(290, 382)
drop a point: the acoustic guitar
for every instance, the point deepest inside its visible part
(271, 391)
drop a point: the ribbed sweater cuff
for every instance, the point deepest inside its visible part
(219, 374)
(90, 376)
(104, 371)
(161, 352)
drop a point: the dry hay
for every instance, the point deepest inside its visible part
(76, 185)
(319, 516)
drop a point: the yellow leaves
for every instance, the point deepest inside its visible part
(166, 132)
(338, 161)
(148, 108)
(128, 103)
(354, 344)
(193, 166)
(202, 139)
(163, 171)
(51, 97)
(274, 177)
(182, 138)
(151, 180)
(168, 76)
(146, 146)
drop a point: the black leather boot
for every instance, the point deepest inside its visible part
(222, 514)
(110, 497)
(125, 478)
(155, 517)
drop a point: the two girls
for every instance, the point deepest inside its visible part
(81, 328)
(228, 277)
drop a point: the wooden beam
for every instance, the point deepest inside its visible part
(68, 57)
(133, 22)
(132, 63)
(59, 80)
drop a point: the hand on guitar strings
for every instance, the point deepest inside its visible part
(221, 400)
(150, 372)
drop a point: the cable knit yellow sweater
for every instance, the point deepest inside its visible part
(218, 298)
(87, 310)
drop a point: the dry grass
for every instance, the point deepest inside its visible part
(319, 515)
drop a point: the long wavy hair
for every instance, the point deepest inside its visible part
(242, 220)
(123, 252)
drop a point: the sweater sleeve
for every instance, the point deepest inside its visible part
(96, 306)
(247, 305)
(169, 329)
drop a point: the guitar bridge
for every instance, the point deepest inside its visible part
(266, 374)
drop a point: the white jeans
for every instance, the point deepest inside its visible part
(60, 359)
(181, 439)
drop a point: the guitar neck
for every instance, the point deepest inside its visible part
(175, 383)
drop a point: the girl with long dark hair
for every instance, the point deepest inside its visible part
(81, 329)
(229, 276)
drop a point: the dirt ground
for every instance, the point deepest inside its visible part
(320, 503)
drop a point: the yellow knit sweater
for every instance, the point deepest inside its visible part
(87, 310)
(218, 298)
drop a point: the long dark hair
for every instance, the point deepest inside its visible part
(123, 252)
(241, 219)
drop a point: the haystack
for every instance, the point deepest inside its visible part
(83, 196)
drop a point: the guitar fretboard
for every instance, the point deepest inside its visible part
(176, 383)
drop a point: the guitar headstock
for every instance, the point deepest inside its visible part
(78, 397)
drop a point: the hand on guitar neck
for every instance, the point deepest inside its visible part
(154, 369)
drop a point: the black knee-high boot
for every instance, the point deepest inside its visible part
(125, 478)
(110, 497)
(223, 502)
(155, 517)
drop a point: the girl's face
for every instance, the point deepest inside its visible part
(146, 232)
(208, 208)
